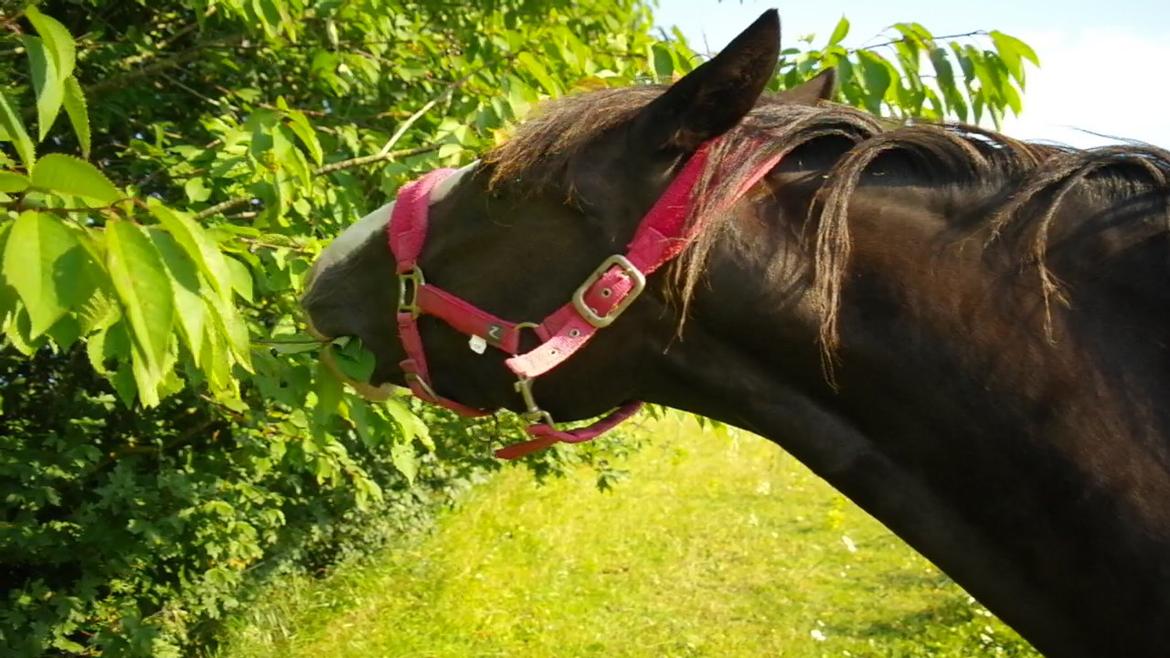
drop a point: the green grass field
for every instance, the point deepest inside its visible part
(717, 545)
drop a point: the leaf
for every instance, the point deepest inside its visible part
(65, 174)
(354, 360)
(877, 79)
(144, 287)
(12, 182)
(538, 71)
(307, 136)
(241, 278)
(189, 307)
(47, 266)
(1013, 51)
(198, 244)
(839, 32)
(404, 458)
(14, 130)
(78, 110)
(58, 39)
(197, 191)
(662, 61)
(49, 86)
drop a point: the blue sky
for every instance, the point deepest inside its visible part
(1105, 65)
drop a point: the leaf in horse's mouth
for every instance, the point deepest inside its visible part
(352, 358)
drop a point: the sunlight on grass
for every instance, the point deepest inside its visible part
(717, 545)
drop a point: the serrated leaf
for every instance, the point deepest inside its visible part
(189, 307)
(47, 266)
(12, 182)
(58, 39)
(144, 288)
(14, 131)
(65, 174)
(198, 244)
(839, 32)
(50, 88)
(78, 110)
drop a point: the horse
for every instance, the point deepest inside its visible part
(963, 333)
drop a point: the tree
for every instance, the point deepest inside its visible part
(170, 169)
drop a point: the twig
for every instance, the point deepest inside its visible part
(943, 37)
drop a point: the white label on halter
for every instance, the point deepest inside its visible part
(477, 344)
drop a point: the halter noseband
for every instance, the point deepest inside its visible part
(597, 303)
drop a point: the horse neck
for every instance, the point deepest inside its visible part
(1012, 447)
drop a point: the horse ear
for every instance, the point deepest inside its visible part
(711, 99)
(812, 91)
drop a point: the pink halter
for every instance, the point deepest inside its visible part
(597, 303)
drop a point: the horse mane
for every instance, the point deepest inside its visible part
(1028, 181)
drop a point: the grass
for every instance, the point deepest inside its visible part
(717, 545)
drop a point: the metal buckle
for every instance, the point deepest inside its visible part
(591, 316)
(533, 413)
(415, 277)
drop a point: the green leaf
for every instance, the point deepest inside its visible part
(1013, 51)
(189, 306)
(78, 110)
(14, 131)
(200, 246)
(241, 278)
(65, 174)
(47, 266)
(307, 136)
(58, 39)
(12, 182)
(404, 458)
(839, 32)
(877, 79)
(662, 61)
(538, 71)
(197, 191)
(144, 287)
(354, 360)
(48, 84)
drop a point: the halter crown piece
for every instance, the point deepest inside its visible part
(597, 303)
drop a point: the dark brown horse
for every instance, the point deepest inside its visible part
(965, 334)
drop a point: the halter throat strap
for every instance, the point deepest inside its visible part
(599, 301)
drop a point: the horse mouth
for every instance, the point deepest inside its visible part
(367, 390)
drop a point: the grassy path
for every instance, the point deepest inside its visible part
(715, 546)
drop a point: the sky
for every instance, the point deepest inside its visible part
(1105, 66)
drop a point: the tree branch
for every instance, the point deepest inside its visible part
(232, 204)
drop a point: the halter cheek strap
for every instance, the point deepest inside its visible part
(597, 302)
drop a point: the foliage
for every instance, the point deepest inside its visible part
(169, 169)
(718, 545)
